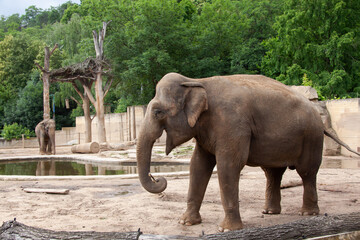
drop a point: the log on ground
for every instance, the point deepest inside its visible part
(46, 190)
(91, 147)
(306, 228)
(15, 230)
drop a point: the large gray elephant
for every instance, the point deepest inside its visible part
(236, 120)
(45, 133)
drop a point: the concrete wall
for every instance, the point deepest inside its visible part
(66, 136)
(345, 120)
(119, 127)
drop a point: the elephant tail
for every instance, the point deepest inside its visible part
(336, 139)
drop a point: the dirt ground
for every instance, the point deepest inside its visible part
(115, 204)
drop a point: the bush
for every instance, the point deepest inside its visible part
(15, 131)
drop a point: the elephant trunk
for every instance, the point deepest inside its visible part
(143, 155)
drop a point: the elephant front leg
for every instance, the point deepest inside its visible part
(272, 194)
(43, 145)
(201, 167)
(230, 162)
(229, 174)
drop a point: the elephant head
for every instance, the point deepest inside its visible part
(176, 108)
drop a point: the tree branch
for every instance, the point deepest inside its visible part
(91, 97)
(71, 79)
(40, 67)
(96, 44)
(78, 90)
(56, 46)
(107, 86)
(75, 100)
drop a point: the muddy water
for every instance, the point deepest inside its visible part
(345, 163)
(68, 168)
(73, 168)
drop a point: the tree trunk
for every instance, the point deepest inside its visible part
(302, 229)
(88, 119)
(15, 230)
(46, 80)
(100, 114)
(91, 147)
(46, 83)
(309, 227)
(99, 49)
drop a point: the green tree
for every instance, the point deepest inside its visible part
(27, 109)
(15, 131)
(217, 31)
(321, 39)
(17, 55)
(260, 15)
(154, 40)
(30, 17)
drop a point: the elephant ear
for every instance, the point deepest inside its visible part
(195, 101)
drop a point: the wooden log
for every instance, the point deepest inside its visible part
(309, 227)
(291, 184)
(49, 191)
(14, 230)
(305, 228)
(91, 147)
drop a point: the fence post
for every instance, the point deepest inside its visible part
(134, 123)
(23, 140)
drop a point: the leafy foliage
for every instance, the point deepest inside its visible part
(15, 131)
(318, 38)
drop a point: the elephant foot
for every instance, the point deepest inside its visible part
(309, 212)
(42, 153)
(271, 210)
(189, 218)
(228, 225)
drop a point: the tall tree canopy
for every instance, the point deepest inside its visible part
(298, 42)
(317, 41)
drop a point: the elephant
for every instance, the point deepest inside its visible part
(236, 120)
(45, 133)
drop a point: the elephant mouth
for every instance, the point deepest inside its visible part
(169, 145)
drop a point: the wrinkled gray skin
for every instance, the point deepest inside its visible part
(45, 133)
(236, 120)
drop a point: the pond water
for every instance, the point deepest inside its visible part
(77, 168)
(348, 163)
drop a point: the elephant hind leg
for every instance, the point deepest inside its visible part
(310, 198)
(272, 193)
(310, 164)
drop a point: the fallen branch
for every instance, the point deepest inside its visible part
(291, 184)
(305, 228)
(302, 229)
(15, 230)
(49, 191)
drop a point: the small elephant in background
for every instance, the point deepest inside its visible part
(45, 133)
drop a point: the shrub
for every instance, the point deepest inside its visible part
(15, 131)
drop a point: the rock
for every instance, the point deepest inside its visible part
(307, 91)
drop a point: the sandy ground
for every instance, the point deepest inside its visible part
(114, 204)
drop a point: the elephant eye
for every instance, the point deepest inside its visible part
(159, 114)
